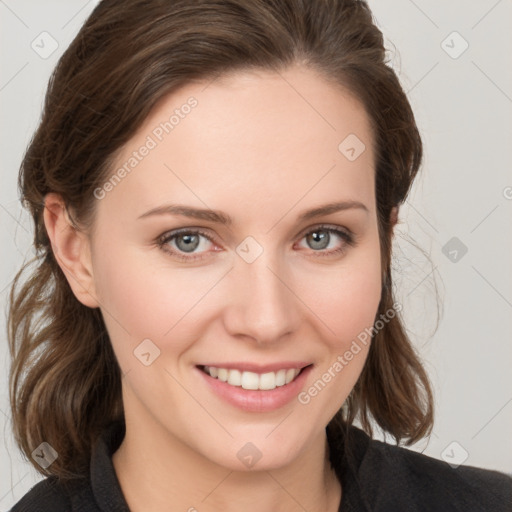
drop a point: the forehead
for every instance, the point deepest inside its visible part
(252, 136)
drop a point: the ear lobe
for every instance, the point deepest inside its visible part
(71, 249)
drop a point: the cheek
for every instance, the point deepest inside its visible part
(143, 301)
(346, 300)
(347, 307)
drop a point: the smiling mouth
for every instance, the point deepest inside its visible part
(251, 380)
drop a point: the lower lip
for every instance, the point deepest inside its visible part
(257, 400)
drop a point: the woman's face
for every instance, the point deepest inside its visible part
(281, 285)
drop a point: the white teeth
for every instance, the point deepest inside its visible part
(251, 380)
(281, 378)
(248, 380)
(267, 381)
(234, 377)
(290, 375)
(222, 373)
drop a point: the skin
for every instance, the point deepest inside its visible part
(262, 147)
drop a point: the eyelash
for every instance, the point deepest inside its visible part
(163, 241)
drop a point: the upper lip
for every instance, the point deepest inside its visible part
(260, 368)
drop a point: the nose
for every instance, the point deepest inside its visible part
(262, 305)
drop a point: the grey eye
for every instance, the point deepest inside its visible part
(318, 239)
(187, 242)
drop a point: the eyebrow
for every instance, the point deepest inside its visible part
(222, 218)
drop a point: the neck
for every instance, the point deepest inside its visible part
(155, 469)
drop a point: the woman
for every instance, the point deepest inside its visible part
(214, 187)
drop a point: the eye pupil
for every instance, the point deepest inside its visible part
(190, 242)
(320, 239)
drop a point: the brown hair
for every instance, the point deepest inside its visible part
(65, 383)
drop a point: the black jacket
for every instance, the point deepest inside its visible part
(374, 476)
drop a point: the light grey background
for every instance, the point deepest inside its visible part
(463, 106)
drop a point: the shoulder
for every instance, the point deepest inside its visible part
(382, 477)
(51, 495)
(429, 483)
(95, 491)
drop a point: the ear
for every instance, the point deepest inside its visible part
(393, 216)
(71, 249)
